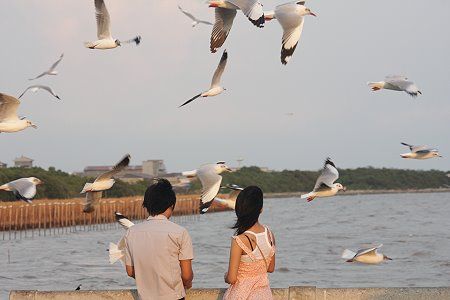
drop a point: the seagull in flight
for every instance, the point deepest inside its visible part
(396, 83)
(23, 188)
(117, 251)
(195, 21)
(225, 12)
(325, 186)
(105, 40)
(102, 183)
(51, 71)
(290, 16)
(365, 256)
(215, 88)
(37, 87)
(420, 152)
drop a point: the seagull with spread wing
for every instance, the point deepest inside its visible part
(195, 21)
(51, 71)
(23, 188)
(117, 251)
(365, 256)
(420, 152)
(396, 83)
(291, 18)
(215, 88)
(105, 40)
(225, 11)
(325, 186)
(37, 87)
(102, 183)
(230, 201)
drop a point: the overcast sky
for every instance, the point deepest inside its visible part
(125, 100)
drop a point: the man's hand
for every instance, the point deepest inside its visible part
(130, 271)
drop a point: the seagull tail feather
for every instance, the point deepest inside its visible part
(114, 253)
(348, 254)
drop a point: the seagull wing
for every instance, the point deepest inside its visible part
(122, 164)
(210, 185)
(205, 22)
(37, 87)
(222, 26)
(368, 250)
(24, 188)
(39, 76)
(190, 16)
(215, 82)
(53, 67)
(8, 108)
(328, 176)
(403, 84)
(103, 20)
(91, 200)
(252, 9)
(122, 220)
(292, 25)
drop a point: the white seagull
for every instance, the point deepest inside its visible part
(290, 16)
(37, 87)
(420, 152)
(396, 83)
(9, 121)
(105, 40)
(195, 21)
(325, 186)
(117, 252)
(50, 71)
(102, 183)
(215, 88)
(225, 11)
(210, 179)
(230, 201)
(365, 256)
(23, 188)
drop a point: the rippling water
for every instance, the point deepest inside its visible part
(414, 229)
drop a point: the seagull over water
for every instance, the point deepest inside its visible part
(105, 40)
(365, 256)
(291, 18)
(23, 188)
(195, 21)
(325, 186)
(117, 251)
(396, 83)
(102, 183)
(215, 88)
(9, 121)
(37, 87)
(210, 179)
(50, 71)
(420, 152)
(225, 11)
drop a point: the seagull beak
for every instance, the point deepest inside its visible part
(229, 170)
(34, 126)
(419, 92)
(344, 188)
(313, 14)
(387, 258)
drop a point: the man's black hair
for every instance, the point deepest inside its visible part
(159, 197)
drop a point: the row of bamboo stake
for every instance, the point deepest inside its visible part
(54, 217)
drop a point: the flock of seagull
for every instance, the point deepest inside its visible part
(291, 17)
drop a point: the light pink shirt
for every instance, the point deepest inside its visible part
(155, 248)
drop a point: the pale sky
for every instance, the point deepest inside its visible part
(125, 100)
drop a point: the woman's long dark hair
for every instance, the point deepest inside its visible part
(249, 204)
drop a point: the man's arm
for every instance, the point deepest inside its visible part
(130, 270)
(187, 275)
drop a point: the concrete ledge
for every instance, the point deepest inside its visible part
(291, 293)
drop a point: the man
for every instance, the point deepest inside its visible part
(158, 252)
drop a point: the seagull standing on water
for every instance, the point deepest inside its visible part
(365, 256)
(215, 88)
(102, 183)
(209, 177)
(225, 11)
(290, 16)
(325, 186)
(23, 188)
(117, 252)
(37, 87)
(105, 40)
(50, 71)
(420, 152)
(195, 21)
(396, 83)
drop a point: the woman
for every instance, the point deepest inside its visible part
(252, 252)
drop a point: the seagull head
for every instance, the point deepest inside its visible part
(340, 187)
(222, 167)
(117, 42)
(307, 12)
(36, 181)
(436, 154)
(30, 124)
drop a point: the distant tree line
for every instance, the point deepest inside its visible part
(60, 185)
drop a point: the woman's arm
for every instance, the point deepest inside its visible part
(235, 257)
(272, 262)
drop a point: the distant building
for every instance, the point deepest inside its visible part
(3, 165)
(154, 167)
(23, 162)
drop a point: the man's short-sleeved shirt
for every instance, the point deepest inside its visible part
(154, 248)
